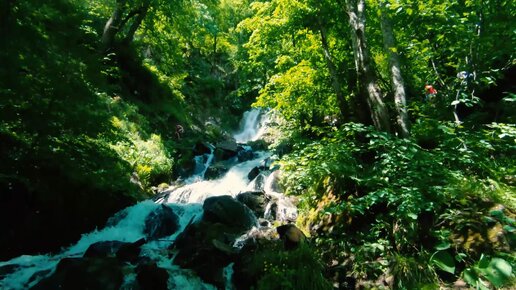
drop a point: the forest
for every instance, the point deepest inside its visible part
(393, 126)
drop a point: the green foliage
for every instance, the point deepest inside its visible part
(392, 198)
(495, 270)
(296, 269)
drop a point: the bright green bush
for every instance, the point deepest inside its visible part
(389, 202)
(297, 269)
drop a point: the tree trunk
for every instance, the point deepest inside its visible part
(337, 85)
(113, 26)
(368, 81)
(398, 85)
(141, 12)
(118, 21)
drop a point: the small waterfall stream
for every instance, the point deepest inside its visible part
(129, 225)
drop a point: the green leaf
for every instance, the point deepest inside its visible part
(470, 276)
(443, 246)
(483, 263)
(444, 261)
(498, 272)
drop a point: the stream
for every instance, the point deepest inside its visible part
(131, 225)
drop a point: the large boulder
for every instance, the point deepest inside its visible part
(84, 273)
(272, 184)
(254, 173)
(228, 211)
(151, 277)
(130, 252)
(258, 183)
(254, 200)
(123, 251)
(103, 249)
(245, 154)
(205, 247)
(226, 150)
(160, 223)
(215, 171)
(201, 148)
(291, 235)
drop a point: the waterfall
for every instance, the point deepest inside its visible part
(201, 166)
(252, 126)
(232, 183)
(26, 271)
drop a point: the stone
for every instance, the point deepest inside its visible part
(258, 183)
(205, 248)
(226, 150)
(84, 273)
(272, 183)
(103, 249)
(130, 252)
(151, 277)
(201, 148)
(253, 173)
(245, 154)
(228, 211)
(160, 223)
(215, 171)
(291, 235)
(254, 200)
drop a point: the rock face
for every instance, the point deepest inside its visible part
(103, 249)
(258, 182)
(228, 211)
(84, 273)
(161, 223)
(254, 200)
(201, 148)
(245, 154)
(292, 236)
(225, 150)
(253, 173)
(272, 183)
(206, 246)
(151, 277)
(215, 171)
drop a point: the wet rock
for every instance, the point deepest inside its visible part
(286, 210)
(103, 249)
(247, 269)
(272, 184)
(258, 183)
(215, 171)
(84, 273)
(254, 200)
(160, 223)
(226, 150)
(245, 154)
(130, 252)
(151, 277)
(258, 145)
(205, 247)
(116, 218)
(8, 269)
(229, 145)
(201, 148)
(253, 173)
(291, 236)
(228, 211)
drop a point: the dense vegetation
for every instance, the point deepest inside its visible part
(399, 187)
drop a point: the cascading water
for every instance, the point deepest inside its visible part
(252, 127)
(26, 271)
(202, 162)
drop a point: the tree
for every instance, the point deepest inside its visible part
(367, 80)
(398, 84)
(123, 13)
